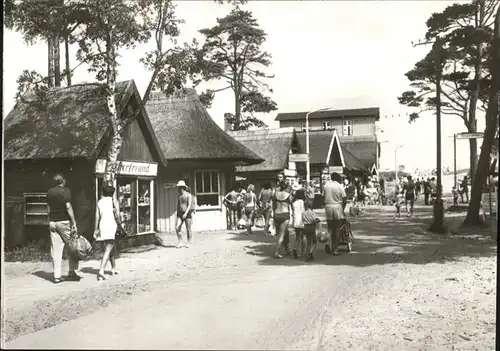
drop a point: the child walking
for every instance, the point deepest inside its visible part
(398, 201)
(298, 209)
(310, 222)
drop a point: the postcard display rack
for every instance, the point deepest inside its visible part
(136, 204)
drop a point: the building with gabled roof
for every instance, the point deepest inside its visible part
(199, 152)
(68, 132)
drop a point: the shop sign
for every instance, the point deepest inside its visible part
(470, 135)
(290, 173)
(130, 168)
(335, 169)
(298, 157)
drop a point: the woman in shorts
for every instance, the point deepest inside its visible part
(281, 205)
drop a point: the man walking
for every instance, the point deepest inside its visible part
(409, 193)
(185, 208)
(427, 191)
(464, 189)
(335, 202)
(62, 227)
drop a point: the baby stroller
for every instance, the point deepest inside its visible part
(346, 236)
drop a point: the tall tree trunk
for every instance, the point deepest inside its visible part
(472, 125)
(57, 61)
(472, 153)
(116, 125)
(489, 133)
(66, 54)
(50, 59)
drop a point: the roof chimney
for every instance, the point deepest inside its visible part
(227, 124)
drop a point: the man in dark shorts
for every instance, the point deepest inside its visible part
(62, 226)
(409, 193)
(185, 208)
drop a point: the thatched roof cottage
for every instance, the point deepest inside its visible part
(199, 152)
(275, 146)
(68, 132)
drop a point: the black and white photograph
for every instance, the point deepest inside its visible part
(250, 174)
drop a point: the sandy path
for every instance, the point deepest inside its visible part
(400, 289)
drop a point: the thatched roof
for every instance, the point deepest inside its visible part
(362, 147)
(71, 123)
(186, 131)
(355, 112)
(273, 144)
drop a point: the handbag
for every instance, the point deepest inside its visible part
(120, 231)
(79, 247)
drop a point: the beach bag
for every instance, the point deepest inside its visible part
(242, 223)
(260, 222)
(322, 235)
(272, 228)
(79, 247)
(120, 231)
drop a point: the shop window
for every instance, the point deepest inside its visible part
(347, 128)
(126, 198)
(144, 206)
(36, 209)
(207, 188)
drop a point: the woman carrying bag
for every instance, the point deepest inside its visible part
(107, 229)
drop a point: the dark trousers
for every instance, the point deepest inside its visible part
(426, 198)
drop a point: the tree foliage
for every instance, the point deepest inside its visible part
(460, 37)
(232, 54)
(464, 33)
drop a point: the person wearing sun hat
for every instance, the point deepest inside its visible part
(184, 213)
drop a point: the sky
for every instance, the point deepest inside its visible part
(337, 54)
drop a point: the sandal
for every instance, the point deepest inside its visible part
(114, 272)
(277, 256)
(100, 277)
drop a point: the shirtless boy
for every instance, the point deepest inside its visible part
(184, 213)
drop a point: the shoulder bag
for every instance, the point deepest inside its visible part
(120, 231)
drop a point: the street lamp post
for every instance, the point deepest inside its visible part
(308, 163)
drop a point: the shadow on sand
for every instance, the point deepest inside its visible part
(381, 239)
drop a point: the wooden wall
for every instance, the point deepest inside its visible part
(36, 176)
(134, 146)
(203, 220)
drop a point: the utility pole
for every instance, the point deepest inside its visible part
(437, 225)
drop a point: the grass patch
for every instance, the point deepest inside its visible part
(40, 252)
(32, 252)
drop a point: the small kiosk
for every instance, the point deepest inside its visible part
(71, 135)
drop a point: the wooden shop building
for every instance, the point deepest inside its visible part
(69, 133)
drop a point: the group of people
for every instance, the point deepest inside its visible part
(62, 227)
(287, 206)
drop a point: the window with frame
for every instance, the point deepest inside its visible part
(207, 188)
(347, 128)
(326, 125)
(304, 126)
